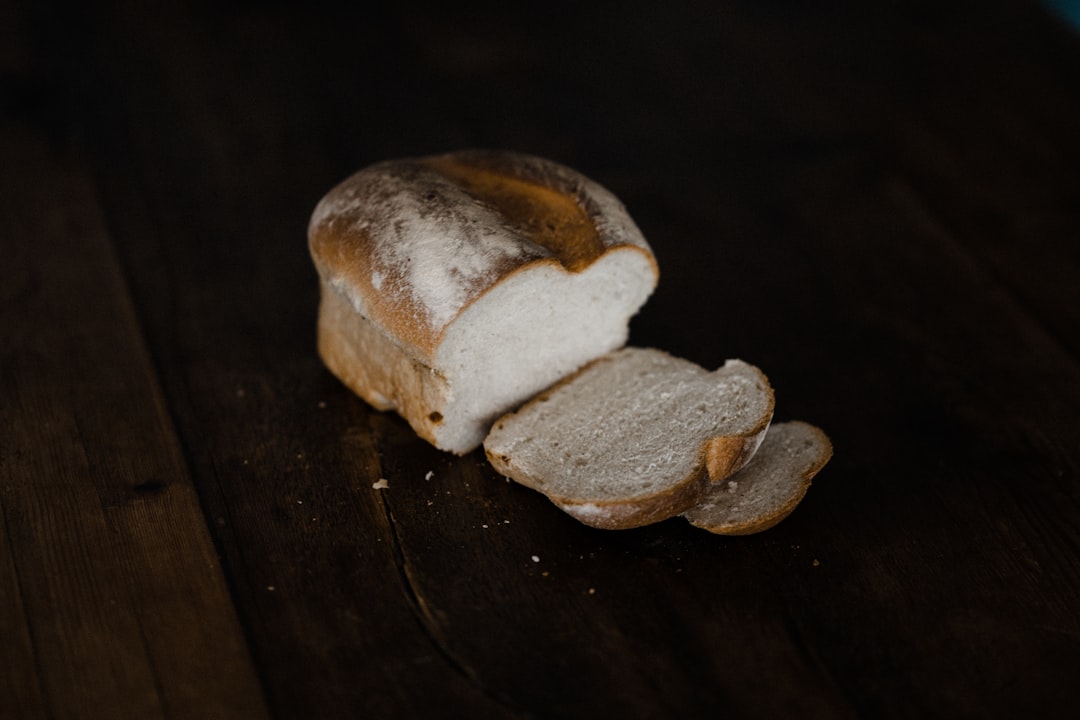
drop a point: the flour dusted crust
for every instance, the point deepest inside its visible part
(456, 286)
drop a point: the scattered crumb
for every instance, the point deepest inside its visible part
(732, 485)
(545, 573)
(299, 502)
(299, 456)
(430, 502)
(592, 591)
(536, 558)
(506, 522)
(271, 588)
(430, 474)
(245, 462)
(816, 562)
(381, 484)
(483, 526)
(322, 404)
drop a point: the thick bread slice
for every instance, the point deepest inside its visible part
(635, 437)
(455, 287)
(770, 486)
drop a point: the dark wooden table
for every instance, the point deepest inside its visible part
(877, 204)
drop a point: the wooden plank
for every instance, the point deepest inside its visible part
(116, 605)
(21, 694)
(284, 461)
(932, 569)
(966, 440)
(832, 269)
(917, 575)
(966, 414)
(1009, 101)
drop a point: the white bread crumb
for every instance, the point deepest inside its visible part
(634, 437)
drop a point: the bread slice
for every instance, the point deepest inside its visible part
(635, 437)
(770, 486)
(457, 286)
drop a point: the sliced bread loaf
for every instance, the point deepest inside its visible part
(455, 287)
(634, 437)
(770, 486)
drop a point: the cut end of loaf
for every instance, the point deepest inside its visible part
(457, 286)
(539, 325)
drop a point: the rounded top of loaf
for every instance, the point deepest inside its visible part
(413, 242)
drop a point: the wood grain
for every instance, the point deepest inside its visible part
(124, 610)
(878, 206)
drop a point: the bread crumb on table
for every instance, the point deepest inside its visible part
(381, 484)
(536, 558)
(430, 474)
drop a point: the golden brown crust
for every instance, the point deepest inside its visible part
(763, 523)
(375, 368)
(641, 512)
(725, 526)
(548, 216)
(413, 242)
(725, 454)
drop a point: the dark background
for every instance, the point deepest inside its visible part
(877, 203)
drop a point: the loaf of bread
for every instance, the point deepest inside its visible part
(485, 297)
(770, 486)
(455, 287)
(635, 437)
